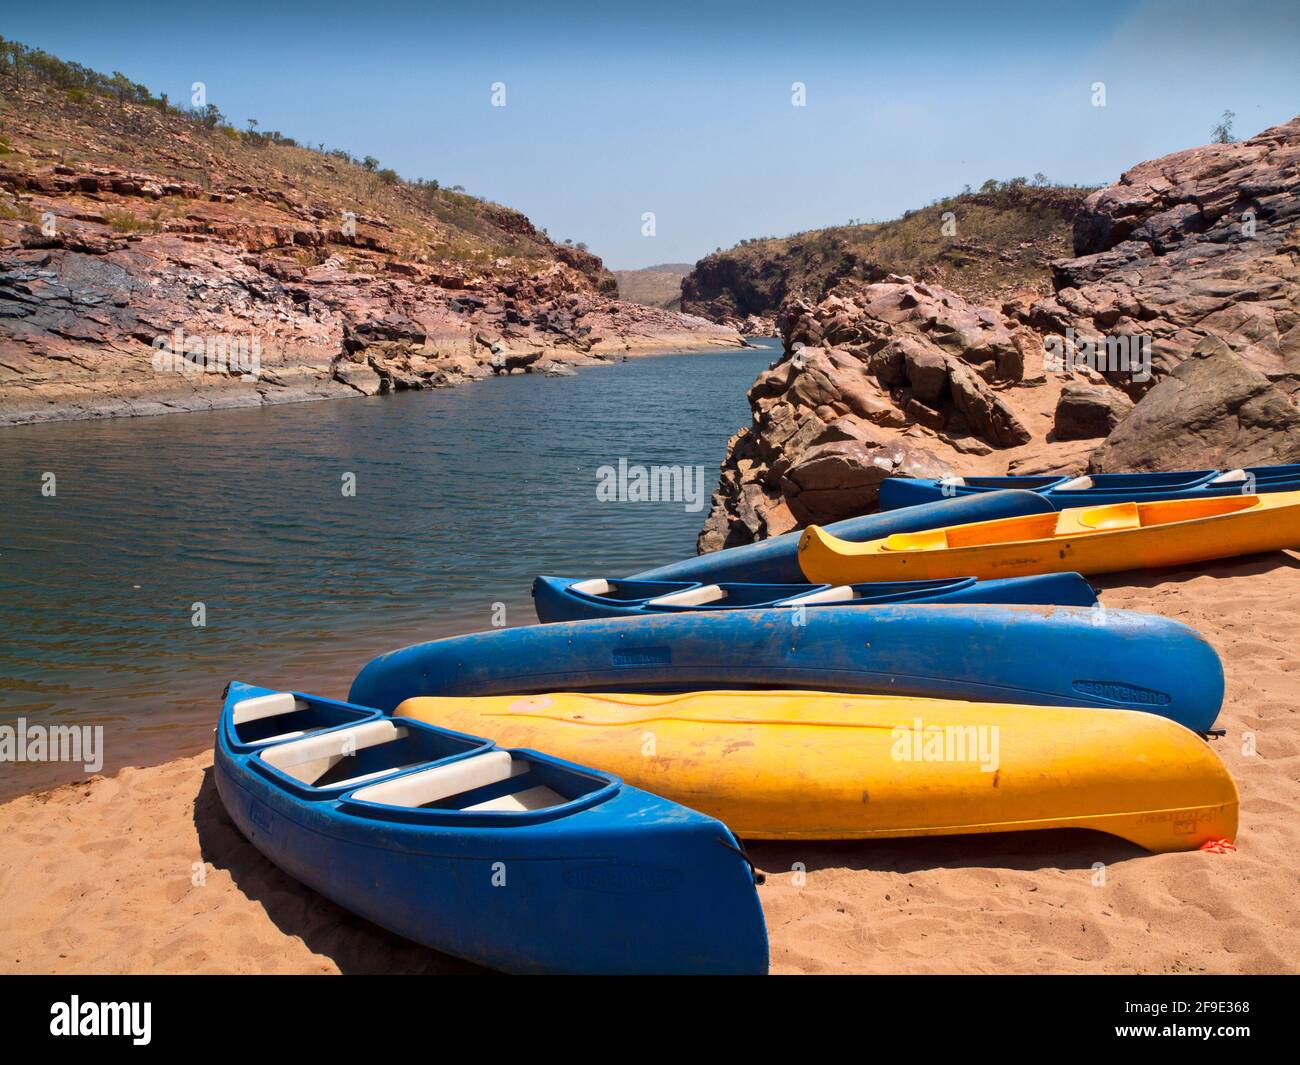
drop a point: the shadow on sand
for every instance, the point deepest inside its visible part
(355, 945)
(1068, 849)
(1221, 569)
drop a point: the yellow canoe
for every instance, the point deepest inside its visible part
(1102, 539)
(818, 765)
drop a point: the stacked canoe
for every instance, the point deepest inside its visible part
(939, 668)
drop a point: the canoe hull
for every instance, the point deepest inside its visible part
(1046, 544)
(1062, 656)
(776, 559)
(810, 765)
(555, 600)
(634, 884)
(897, 493)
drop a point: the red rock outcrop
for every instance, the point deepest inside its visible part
(339, 281)
(1201, 242)
(1199, 252)
(82, 313)
(1213, 412)
(877, 379)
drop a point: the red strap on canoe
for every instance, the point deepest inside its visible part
(1218, 846)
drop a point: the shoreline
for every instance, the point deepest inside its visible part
(143, 872)
(306, 383)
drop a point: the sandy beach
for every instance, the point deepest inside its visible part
(143, 872)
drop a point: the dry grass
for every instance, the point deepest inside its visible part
(82, 129)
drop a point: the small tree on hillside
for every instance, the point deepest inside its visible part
(1222, 133)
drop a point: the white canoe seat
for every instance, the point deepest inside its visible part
(706, 593)
(597, 586)
(444, 782)
(1230, 477)
(1078, 484)
(310, 759)
(841, 593)
(538, 798)
(261, 707)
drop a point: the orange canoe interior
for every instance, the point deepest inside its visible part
(1078, 522)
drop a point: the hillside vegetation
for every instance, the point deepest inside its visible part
(52, 110)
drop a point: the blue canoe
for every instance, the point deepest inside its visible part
(898, 493)
(776, 560)
(1062, 656)
(507, 858)
(566, 599)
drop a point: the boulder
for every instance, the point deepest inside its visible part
(1213, 412)
(387, 330)
(889, 365)
(927, 371)
(504, 362)
(922, 413)
(857, 390)
(987, 414)
(1087, 411)
(361, 377)
(841, 479)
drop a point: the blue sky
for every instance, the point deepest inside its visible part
(685, 110)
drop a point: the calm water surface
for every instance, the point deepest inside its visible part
(462, 497)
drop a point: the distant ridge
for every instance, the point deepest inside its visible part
(655, 286)
(997, 242)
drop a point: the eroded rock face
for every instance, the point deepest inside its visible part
(874, 379)
(1213, 412)
(1201, 242)
(80, 321)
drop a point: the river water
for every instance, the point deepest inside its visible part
(309, 537)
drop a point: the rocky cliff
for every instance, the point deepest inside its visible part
(154, 260)
(1189, 266)
(982, 245)
(1201, 242)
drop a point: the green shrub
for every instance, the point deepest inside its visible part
(126, 222)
